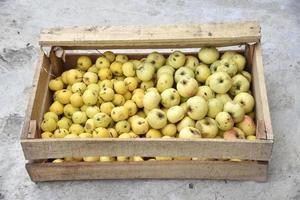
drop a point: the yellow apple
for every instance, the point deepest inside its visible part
(208, 55)
(74, 76)
(102, 62)
(122, 127)
(69, 110)
(153, 133)
(116, 68)
(84, 63)
(121, 58)
(52, 115)
(169, 130)
(118, 100)
(128, 69)
(76, 100)
(60, 133)
(76, 129)
(90, 97)
(48, 124)
(109, 55)
(64, 122)
(139, 126)
(46, 135)
(119, 113)
(56, 84)
(101, 133)
(63, 96)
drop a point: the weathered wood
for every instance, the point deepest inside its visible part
(32, 130)
(167, 36)
(245, 170)
(209, 148)
(258, 66)
(260, 127)
(36, 97)
(56, 63)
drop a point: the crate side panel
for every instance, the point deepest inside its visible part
(181, 35)
(246, 170)
(258, 69)
(208, 148)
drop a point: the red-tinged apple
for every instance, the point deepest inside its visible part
(247, 126)
(187, 87)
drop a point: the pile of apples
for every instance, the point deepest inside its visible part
(180, 96)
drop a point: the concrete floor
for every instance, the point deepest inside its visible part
(20, 23)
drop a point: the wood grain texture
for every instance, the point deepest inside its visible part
(245, 170)
(257, 61)
(56, 63)
(259, 117)
(167, 36)
(208, 148)
(37, 93)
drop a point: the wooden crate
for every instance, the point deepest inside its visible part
(256, 154)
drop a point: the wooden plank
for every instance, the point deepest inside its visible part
(260, 123)
(245, 170)
(38, 87)
(260, 88)
(41, 97)
(209, 148)
(167, 36)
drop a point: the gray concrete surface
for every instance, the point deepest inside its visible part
(20, 22)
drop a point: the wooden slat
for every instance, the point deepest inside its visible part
(260, 89)
(40, 99)
(168, 36)
(209, 148)
(260, 123)
(245, 170)
(35, 101)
